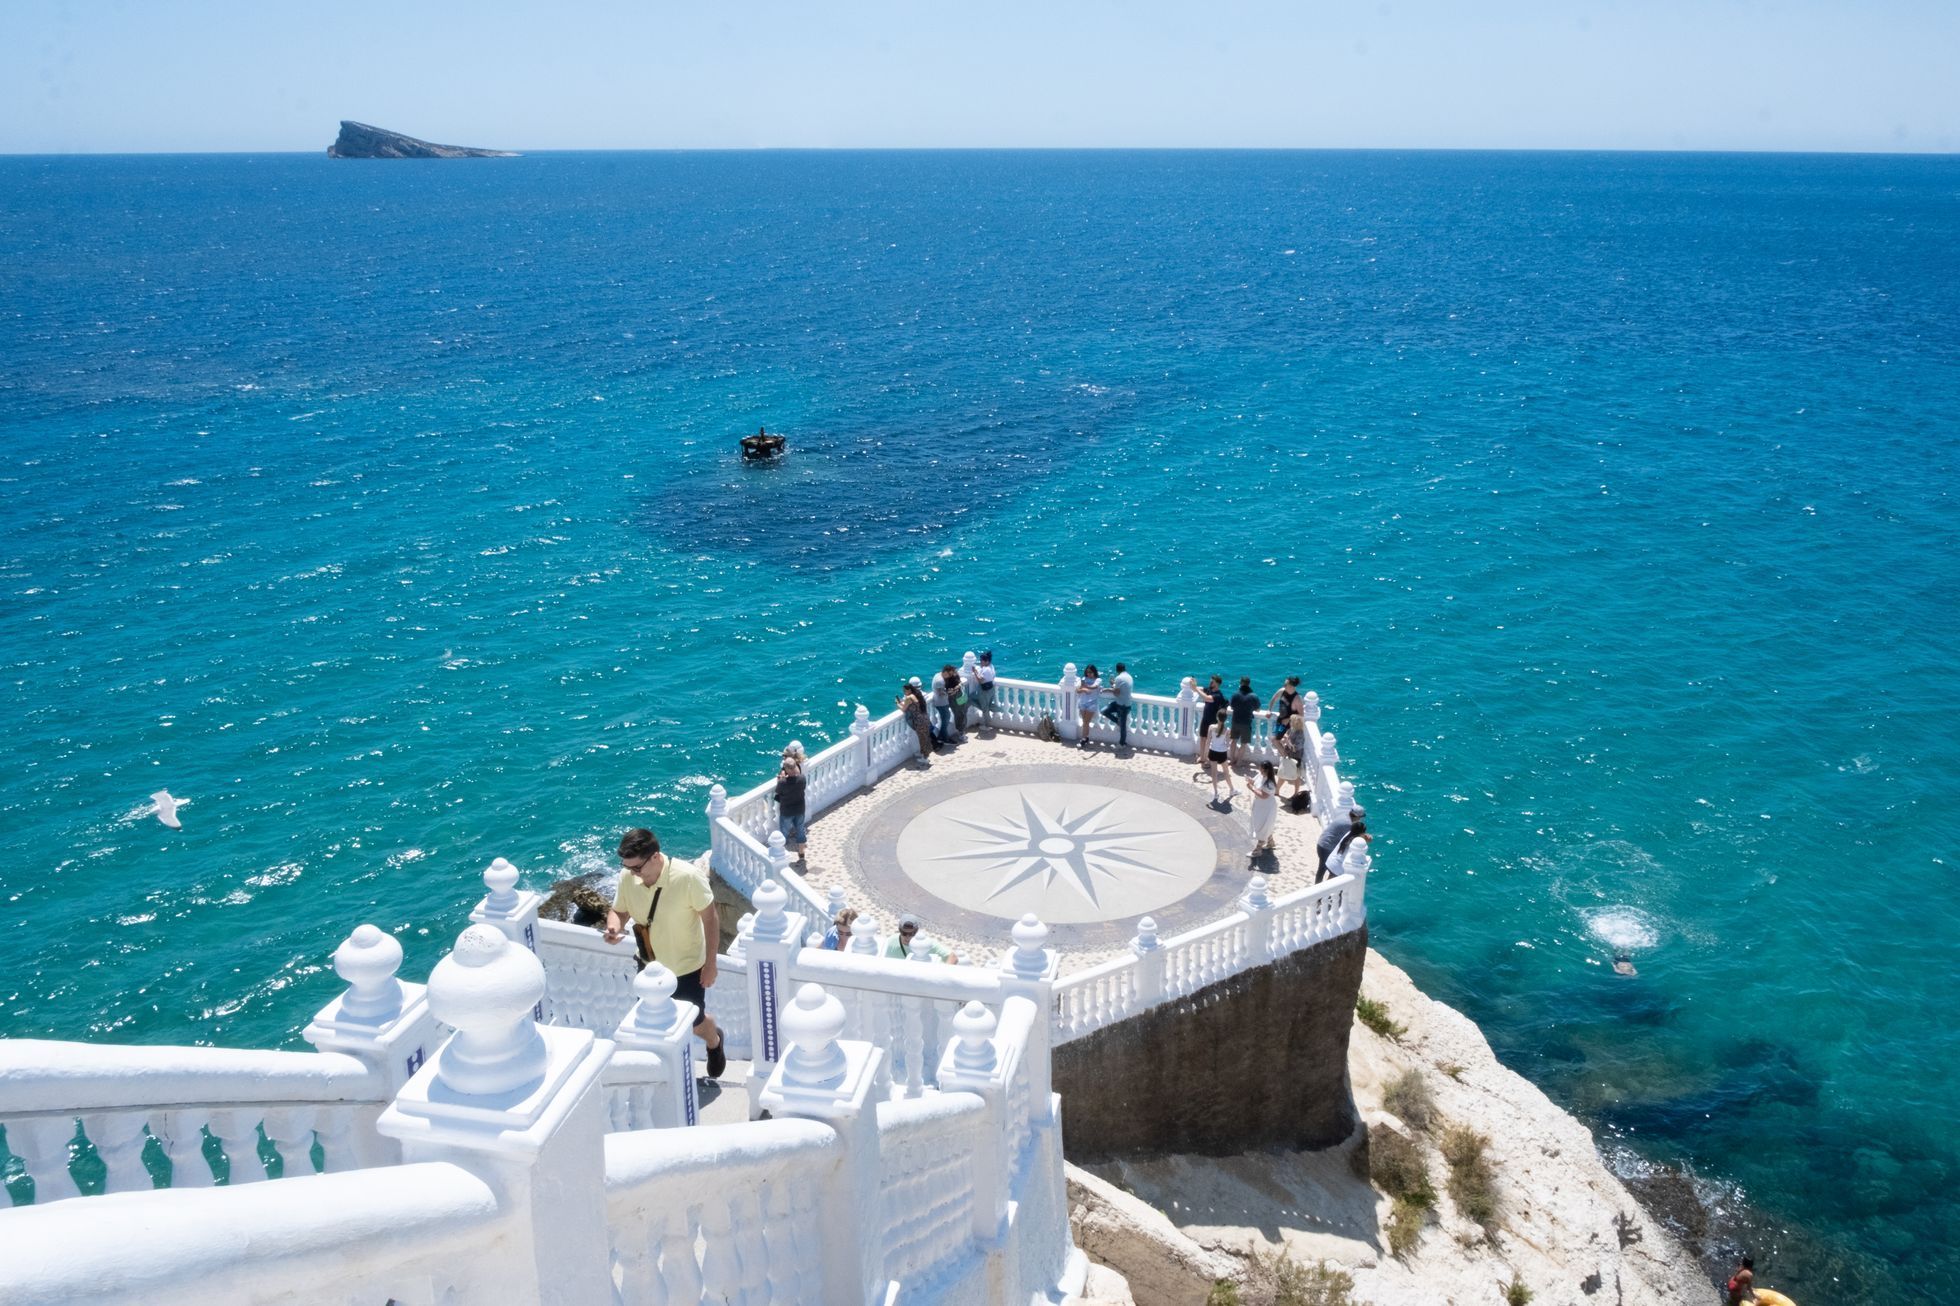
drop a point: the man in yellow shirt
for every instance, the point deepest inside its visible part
(671, 910)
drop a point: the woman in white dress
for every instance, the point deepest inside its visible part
(1088, 700)
(1265, 806)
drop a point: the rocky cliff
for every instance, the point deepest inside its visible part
(357, 140)
(1553, 1218)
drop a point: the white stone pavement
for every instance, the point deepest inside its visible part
(1087, 838)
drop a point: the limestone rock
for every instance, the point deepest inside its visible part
(357, 140)
(1163, 1267)
(581, 900)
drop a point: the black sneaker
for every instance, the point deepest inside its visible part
(717, 1060)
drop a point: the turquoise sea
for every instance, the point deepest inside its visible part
(387, 513)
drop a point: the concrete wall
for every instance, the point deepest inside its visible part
(1257, 1060)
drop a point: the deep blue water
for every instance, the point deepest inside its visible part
(387, 513)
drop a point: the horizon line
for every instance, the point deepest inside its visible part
(321, 151)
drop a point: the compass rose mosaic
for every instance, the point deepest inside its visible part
(1071, 853)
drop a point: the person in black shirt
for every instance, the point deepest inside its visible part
(790, 807)
(1245, 710)
(1214, 700)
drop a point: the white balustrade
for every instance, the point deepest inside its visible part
(589, 982)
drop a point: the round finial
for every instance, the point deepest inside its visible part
(654, 987)
(812, 1023)
(367, 960)
(1356, 861)
(745, 925)
(1310, 705)
(1256, 898)
(834, 902)
(1146, 939)
(487, 988)
(1330, 755)
(969, 659)
(862, 721)
(864, 935)
(920, 949)
(1187, 688)
(1068, 673)
(974, 1026)
(501, 880)
(717, 801)
(778, 849)
(1345, 802)
(1030, 958)
(770, 923)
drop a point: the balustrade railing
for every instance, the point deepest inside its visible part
(721, 1212)
(423, 1233)
(929, 1149)
(589, 982)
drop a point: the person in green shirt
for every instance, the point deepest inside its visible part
(671, 910)
(900, 944)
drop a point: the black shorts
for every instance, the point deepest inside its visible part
(687, 988)
(1242, 734)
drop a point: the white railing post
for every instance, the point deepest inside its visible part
(380, 1020)
(822, 1077)
(1029, 969)
(510, 909)
(1257, 904)
(520, 1105)
(864, 935)
(861, 731)
(665, 1028)
(972, 1064)
(1187, 715)
(1150, 964)
(772, 944)
(1067, 727)
(716, 809)
(1356, 862)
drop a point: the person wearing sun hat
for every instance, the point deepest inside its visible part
(900, 945)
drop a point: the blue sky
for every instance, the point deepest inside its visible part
(96, 75)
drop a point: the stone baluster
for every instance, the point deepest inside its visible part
(1356, 862)
(822, 1077)
(1029, 969)
(119, 1139)
(861, 731)
(290, 1130)
(1257, 904)
(1069, 726)
(718, 808)
(1187, 716)
(182, 1135)
(520, 1105)
(771, 947)
(43, 1146)
(1150, 965)
(238, 1133)
(664, 1027)
(972, 1063)
(381, 1020)
(509, 908)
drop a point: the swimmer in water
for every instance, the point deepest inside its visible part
(1623, 965)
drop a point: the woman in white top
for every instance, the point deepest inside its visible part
(1088, 700)
(1264, 785)
(1337, 860)
(983, 688)
(1290, 745)
(1218, 758)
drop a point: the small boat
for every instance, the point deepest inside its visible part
(762, 445)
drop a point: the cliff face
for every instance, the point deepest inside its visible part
(1565, 1225)
(357, 140)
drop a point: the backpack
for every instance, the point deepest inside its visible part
(1044, 730)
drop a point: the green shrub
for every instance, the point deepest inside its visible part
(1472, 1182)
(1278, 1280)
(1405, 1225)
(1515, 1292)
(1452, 1069)
(1375, 1016)
(1395, 1166)
(1407, 1098)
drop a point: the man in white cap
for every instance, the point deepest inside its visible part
(900, 945)
(1331, 837)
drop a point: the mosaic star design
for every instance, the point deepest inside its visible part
(1075, 851)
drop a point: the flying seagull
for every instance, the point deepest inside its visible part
(166, 809)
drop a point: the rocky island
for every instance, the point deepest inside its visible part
(357, 140)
